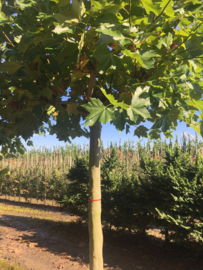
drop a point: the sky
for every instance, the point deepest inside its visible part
(108, 134)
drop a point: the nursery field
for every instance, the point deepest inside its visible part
(152, 213)
(42, 237)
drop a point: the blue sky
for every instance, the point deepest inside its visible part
(109, 133)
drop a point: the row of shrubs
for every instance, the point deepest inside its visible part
(165, 192)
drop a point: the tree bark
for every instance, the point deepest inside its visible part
(94, 225)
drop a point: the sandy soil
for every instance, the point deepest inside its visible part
(41, 237)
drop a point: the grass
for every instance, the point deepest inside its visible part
(40, 214)
(4, 265)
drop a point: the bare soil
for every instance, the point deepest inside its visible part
(42, 237)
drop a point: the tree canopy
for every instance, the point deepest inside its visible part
(144, 57)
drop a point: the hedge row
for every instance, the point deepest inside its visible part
(166, 192)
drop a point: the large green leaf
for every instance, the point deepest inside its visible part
(77, 10)
(196, 104)
(147, 58)
(10, 67)
(164, 123)
(120, 119)
(106, 59)
(154, 134)
(112, 35)
(3, 20)
(110, 98)
(47, 92)
(166, 41)
(65, 16)
(138, 107)
(141, 131)
(97, 112)
(105, 7)
(150, 6)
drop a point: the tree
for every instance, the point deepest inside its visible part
(65, 62)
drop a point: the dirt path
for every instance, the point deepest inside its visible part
(42, 237)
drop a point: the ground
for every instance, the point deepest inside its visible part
(42, 237)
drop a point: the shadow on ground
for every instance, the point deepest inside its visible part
(125, 252)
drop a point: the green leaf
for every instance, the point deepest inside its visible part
(41, 134)
(141, 131)
(154, 134)
(127, 129)
(10, 67)
(147, 59)
(98, 112)
(50, 110)
(125, 97)
(166, 41)
(110, 98)
(106, 59)
(168, 134)
(120, 119)
(59, 30)
(65, 17)
(169, 11)
(29, 143)
(150, 6)
(107, 115)
(174, 115)
(47, 92)
(105, 7)
(196, 104)
(164, 123)
(112, 35)
(138, 107)
(3, 20)
(196, 92)
(77, 11)
(78, 8)
(72, 109)
(108, 18)
(80, 46)
(123, 105)
(23, 4)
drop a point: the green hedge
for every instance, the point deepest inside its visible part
(165, 192)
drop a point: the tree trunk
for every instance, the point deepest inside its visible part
(95, 228)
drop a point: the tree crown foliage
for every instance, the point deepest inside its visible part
(87, 61)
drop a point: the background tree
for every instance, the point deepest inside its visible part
(63, 63)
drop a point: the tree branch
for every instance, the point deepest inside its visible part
(8, 38)
(38, 8)
(185, 50)
(69, 102)
(181, 18)
(129, 12)
(185, 39)
(91, 84)
(58, 102)
(158, 15)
